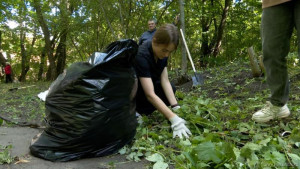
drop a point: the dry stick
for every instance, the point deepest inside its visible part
(23, 124)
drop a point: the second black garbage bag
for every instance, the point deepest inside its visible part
(90, 108)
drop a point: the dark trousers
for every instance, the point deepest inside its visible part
(8, 78)
(277, 26)
(143, 106)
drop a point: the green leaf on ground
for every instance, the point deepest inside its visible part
(5, 157)
(295, 159)
(160, 165)
(155, 158)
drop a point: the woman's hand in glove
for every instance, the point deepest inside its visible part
(179, 128)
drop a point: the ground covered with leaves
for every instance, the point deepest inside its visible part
(218, 114)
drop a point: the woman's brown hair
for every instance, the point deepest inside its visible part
(166, 34)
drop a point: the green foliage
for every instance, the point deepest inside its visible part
(92, 25)
(218, 114)
(5, 157)
(224, 136)
(208, 154)
(23, 104)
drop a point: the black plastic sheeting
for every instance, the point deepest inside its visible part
(90, 108)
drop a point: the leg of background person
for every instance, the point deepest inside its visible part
(6, 78)
(277, 28)
(9, 78)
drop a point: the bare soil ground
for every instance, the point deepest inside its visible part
(20, 138)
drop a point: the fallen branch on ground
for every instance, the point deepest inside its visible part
(22, 124)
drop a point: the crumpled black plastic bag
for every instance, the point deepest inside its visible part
(90, 108)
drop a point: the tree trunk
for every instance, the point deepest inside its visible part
(0, 39)
(128, 16)
(205, 47)
(182, 25)
(256, 72)
(2, 58)
(108, 22)
(221, 28)
(261, 64)
(46, 33)
(61, 54)
(24, 66)
(42, 64)
(205, 23)
(122, 19)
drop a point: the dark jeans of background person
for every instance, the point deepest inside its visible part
(278, 23)
(143, 106)
(8, 78)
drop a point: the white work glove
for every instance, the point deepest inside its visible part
(176, 108)
(179, 128)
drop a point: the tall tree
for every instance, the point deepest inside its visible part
(46, 32)
(182, 26)
(2, 58)
(42, 64)
(66, 9)
(220, 30)
(24, 54)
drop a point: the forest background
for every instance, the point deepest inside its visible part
(40, 38)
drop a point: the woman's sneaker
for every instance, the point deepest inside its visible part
(270, 112)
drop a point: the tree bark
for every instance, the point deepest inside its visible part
(261, 64)
(61, 54)
(205, 50)
(24, 66)
(121, 18)
(182, 25)
(205, 46)
(0, 39)
(2, 58)
(24, 54)
(42, 64)
(256, 72)
(46, 33)
(61, 51)
(221, 28)
(129, 15)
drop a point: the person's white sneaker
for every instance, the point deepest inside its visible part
(270, 112)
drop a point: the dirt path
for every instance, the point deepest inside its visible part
(20, 138)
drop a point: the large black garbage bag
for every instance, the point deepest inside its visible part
(90, 108)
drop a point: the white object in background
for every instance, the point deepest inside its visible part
(43, 95)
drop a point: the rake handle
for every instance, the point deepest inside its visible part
(188, 51)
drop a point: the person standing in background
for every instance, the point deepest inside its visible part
(7, 70)
(279, 18)
(148, 34)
